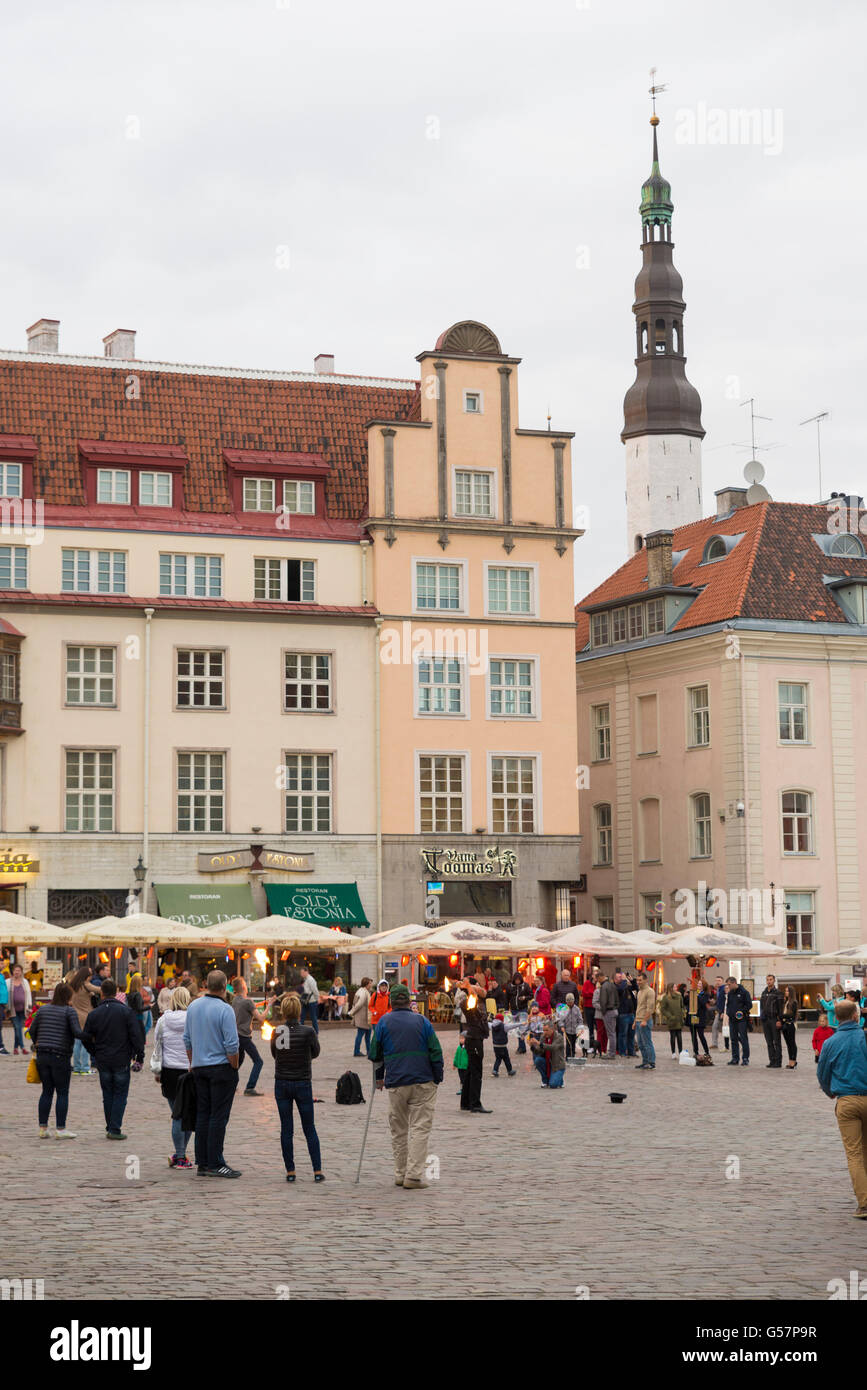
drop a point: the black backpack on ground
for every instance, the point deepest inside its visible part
(349, 1090)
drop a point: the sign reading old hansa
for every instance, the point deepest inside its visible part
(460, 863)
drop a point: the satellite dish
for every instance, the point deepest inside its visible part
(757, 493)
(754, 471)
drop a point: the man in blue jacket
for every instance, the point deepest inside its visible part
(407, 1046)
(738, 1005)
(842, 1073)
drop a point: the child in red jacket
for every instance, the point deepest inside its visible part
(820, 1036)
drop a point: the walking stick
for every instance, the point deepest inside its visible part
(366, 1124)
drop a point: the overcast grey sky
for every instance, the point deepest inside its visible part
(156, 156)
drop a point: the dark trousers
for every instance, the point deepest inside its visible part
(215, 1091)
(739, 1031)
(310, 1011)
(115, 1089)
(501, 1054)
(571, 1040)
(789, 1032)
(698, 1036)
(54, 1072)
(774, 1039)
(676, 1037)
(625, 1035)
(247, 1048)
(471, 1091)
(300, 1093)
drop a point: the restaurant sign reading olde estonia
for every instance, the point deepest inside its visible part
(249, 859)
(459, 863)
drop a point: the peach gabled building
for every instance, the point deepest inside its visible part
(470, 518)
(722, 684)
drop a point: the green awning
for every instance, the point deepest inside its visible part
(205, 904)
(328, 904)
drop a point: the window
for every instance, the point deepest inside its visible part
(473, 494)
(112, 485)
(307, 677)
(438, 586)
(636, 621)
(473, 402)
(513, 796)
(90, 675)
(10, 479)
(650, 851)
(800, 922)
(308, 793)
(600, 629)
(155, 489)
(294, 581)
(299, 497)
(197, 576)
(9, 672)
(93, 571)
(441, 792)
(440, 686)
(511, 687)
(476, 898)
(618, 625)
(603, 913)
(601, 734)
(510, 589)
(846, 544)
(652, 919)
(201, 792)
(655, 611)
(201, 681)
(259, 495)
(701, 827)
(797, 823)
(89, 790)
(602, 843)
(714, 550)
(13, 566)
(793, 713)
(648, 725)
(854, 597)
(699, 716)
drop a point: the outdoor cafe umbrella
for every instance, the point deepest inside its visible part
(294, 934)
(475, 938)
(708, 941)
(649, 943)
(588, 939)
(398, 936)
(16, 930)
(850, 955)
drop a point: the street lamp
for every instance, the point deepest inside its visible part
(140, 873)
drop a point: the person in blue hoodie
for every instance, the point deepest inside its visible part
(408, 1049)
(4, 1000)
(842, 1073)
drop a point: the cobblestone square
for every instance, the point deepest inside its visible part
(548, 1197)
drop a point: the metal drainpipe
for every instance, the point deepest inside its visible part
(365, 547)
(377, 740)
(745, 768)
(146, 750)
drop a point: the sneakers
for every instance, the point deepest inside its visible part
(64, 1134)
(44, 1131)
(223, 1172)
(253, 1093)
(109, 1134)
(175, 1162)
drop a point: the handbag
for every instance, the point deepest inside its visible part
(33, 1073)
(461, 1059)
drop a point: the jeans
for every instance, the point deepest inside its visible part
(300, 1093)
(571, 1042)
(774, 1040)
(18, 1025)
(180, 1139)
(676, 1038)
(80, 1057)
(471, 1091)
(644, 1034)
(625, 1040)
(740, 1037)
(247, 1048)
(554, 1081)
(115, 1089)
(215, 1091)
(311, 1011)
(697, 1034)
(501, 1054)
(361, 1035)
(522, 1046)
(147, 1022)
(54, 1072)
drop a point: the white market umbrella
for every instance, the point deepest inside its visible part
(145, 928)
(294, 934)
(16, 930)
(474, 938)
(851, 955)
(648, 943)
(398, 936)
(708, 941)
(588, 939)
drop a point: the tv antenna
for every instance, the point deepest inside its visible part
(751, 402)
(817, 421)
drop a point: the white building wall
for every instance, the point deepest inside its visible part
(663, 484)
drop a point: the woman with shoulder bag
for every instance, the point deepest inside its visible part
(169, 1062)
(53, 1031)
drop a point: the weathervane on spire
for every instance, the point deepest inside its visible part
(654, 89)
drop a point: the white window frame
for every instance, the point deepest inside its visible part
(691, 716)
(190, 560)
(695, 821)
(6, 470)
(790, 708)
(596, 729)
(112, 476)
(258, 485)
(95, 792)
(93, 562)
(799, 912)
(479, 396)
(533, 571)
(299, 485)
(523, 755)
(599, 620)
(207, 679)
(418, 685)
(314, 794)
(811, 817)
(208, 796)
(535, 701)
(473, 473)
(18, 555)
(463, 757)
(308, 578)
(97, 676)
(314, 681)
(598, 861)
(462, 567)
(10, 679)
(156, 476)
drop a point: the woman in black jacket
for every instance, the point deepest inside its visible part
(53, 1032)
(702, 1018)
(790, 1021)
(293, 1047)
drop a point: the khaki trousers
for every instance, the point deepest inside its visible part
(410, 1119)
(851, 1112)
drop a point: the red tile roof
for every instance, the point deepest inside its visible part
(60, 403)
(774, 572)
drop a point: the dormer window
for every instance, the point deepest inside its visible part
(853, 600)
(113, 486)
(714, 550)
(259, 494)
(10, 480)
(299, 497)
(117, 474)
(155, 489)
(847, 544)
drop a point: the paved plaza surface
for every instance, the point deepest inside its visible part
(553, 1193)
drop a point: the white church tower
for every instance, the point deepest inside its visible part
(662, 429)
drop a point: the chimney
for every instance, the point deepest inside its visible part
(43, 335)
(120, 343)
(324, 364)
(728, 499)
(658, 547)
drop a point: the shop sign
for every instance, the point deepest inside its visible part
(52, 974)
(18, 864)
(245, 859)
(459, 863)
(291, 863)
(226, 859)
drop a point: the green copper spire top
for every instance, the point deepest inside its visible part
(656, 205)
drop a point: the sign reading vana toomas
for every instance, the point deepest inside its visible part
(328, 904)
